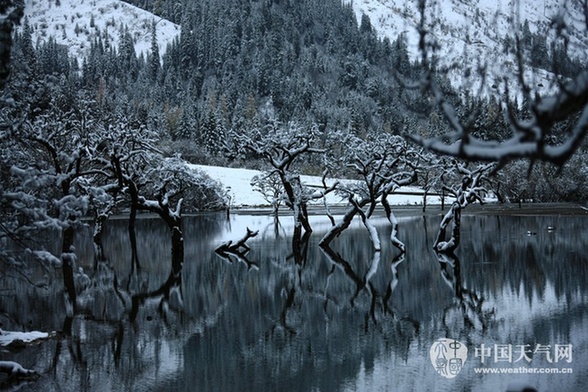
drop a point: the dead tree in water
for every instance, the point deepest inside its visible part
(467, 191)
(283, 148)
(384, 163)
(156, 185)
(238, 249)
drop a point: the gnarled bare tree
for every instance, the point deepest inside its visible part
(283, 148)
(383, 162)
(468, 189)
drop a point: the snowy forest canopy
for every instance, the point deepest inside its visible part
(243, 68)
(280, 85)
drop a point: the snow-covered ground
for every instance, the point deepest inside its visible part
(76, 23)
(238, 182)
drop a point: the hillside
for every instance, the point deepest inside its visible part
(77, 23)
(242, 67)
(480, 32)
(470, 34)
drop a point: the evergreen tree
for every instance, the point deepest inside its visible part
(154, 59)
(539, 55)
(210, 134)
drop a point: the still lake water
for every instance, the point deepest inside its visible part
(313, 320)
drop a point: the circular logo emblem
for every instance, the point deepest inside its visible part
(448, 356)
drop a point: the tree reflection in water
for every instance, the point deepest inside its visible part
(468, 304)
(310, 318)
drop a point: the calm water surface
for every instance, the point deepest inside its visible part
(304, 319)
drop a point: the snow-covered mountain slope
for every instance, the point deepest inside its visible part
(76, 23)
(473, 32)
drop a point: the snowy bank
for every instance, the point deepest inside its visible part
(238, 183)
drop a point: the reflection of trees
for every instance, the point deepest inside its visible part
(107, 325)
(467, 302)
(298, 257)
(291, 321)
(377, 301)
(169, 295)
(301, 315)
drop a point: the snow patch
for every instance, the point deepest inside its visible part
(238, 184)
(7, 337)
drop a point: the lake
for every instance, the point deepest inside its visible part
(310, 319)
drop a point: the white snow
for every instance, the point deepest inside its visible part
(7, 337)
(470, 33)
(109, 18)
(238, 183)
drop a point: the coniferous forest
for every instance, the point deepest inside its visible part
(93, 147)
(241, 66)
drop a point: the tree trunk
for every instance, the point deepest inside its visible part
(452, 216)
(99, 221)
(443, 200)
(425, 200)
(336, 230)
(393, 223)
(68, 265)
(135, 265)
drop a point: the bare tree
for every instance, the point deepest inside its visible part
(59, 144)
(270, 186)
(468, 189)
(157, 185)
(283, 148)
(383, 162)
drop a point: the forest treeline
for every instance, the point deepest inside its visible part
(240, 66)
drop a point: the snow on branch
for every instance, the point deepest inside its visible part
(467, 189)
(10, 337)
(238, 249)
(283, 148)
(383, 162)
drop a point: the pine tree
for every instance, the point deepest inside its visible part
(210, 134)
(155, 60)
(539, 54)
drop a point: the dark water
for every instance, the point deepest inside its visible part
(309, 320)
